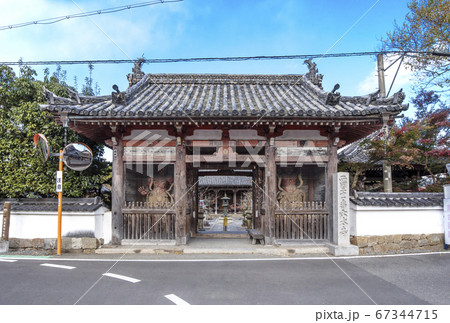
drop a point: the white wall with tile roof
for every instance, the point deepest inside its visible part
(379, 221)
(31, 225)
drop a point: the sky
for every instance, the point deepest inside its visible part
(207, 28)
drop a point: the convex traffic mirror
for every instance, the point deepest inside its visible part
(41, 145)
(77, 156)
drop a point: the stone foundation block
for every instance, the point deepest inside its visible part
(397, 238)
(407, 236)
(13, 243)
(434, 239)
(89, 243)
(406, 244)
(389, 239)
(398, 243)
(422, 242)
(380, 248)
(76, 243)
(66, 243)
(37, 243)
(415, 237)
(372, 241)
(49, 244)
(25, 243)
(359, 241)
(4, 246)
(392, 246)
(348, 250)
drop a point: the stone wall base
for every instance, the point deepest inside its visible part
(4, 246)
(398, 243)
(86, 245)
(349, 250)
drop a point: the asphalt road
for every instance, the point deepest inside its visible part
(413, 279)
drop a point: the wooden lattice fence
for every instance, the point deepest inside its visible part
(301, 220)
(148, 221)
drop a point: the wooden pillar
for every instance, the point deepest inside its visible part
(311, 186)
(270, 192)
(254, 197)
(180, 196)
(333, 140)
(195, 201)
(234, 200)
(118, 196)
(191, 199)
(6, 220)
(216, 192)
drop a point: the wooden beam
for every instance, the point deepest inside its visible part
(225, 172)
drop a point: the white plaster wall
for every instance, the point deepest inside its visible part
(370, 221)
(103, 226)
(27, 225)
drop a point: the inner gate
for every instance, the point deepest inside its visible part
(282, 195)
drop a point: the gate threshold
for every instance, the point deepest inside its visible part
(221, 234)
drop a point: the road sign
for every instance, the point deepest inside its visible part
(59, 181)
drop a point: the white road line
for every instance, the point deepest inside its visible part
(7, 260)
(131, 280)
(58, 266)
(178, 301)
(299, 258)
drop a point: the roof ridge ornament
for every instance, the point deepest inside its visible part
(73, 95)
(117, 97)
(333, 97)
(49, 96)
(313, 75)
(137, 74)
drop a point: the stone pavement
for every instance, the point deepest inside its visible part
(214, 241)
(234, 223)
(228, 246)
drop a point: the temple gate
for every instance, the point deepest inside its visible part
(168, 130)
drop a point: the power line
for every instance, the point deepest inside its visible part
(86, 14)
(214, 59)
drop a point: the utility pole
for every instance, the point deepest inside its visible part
(387, 170)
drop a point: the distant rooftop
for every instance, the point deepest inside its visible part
(51, 204)
(225, 181)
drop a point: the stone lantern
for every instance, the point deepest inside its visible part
(225, 201)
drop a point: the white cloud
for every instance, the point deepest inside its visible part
(126, 32)
(402, 80)
(121, 35)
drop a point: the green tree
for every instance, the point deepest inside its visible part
(421, 141)
(21, 172)
(426, 29)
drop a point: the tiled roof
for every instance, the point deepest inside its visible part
(397, 199)
(357, 152)
(213, 95)
(51, 205)
(224, 181)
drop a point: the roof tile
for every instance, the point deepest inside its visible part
(397, 199)
(226, 95)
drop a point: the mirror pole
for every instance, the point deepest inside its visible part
(60, 205)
